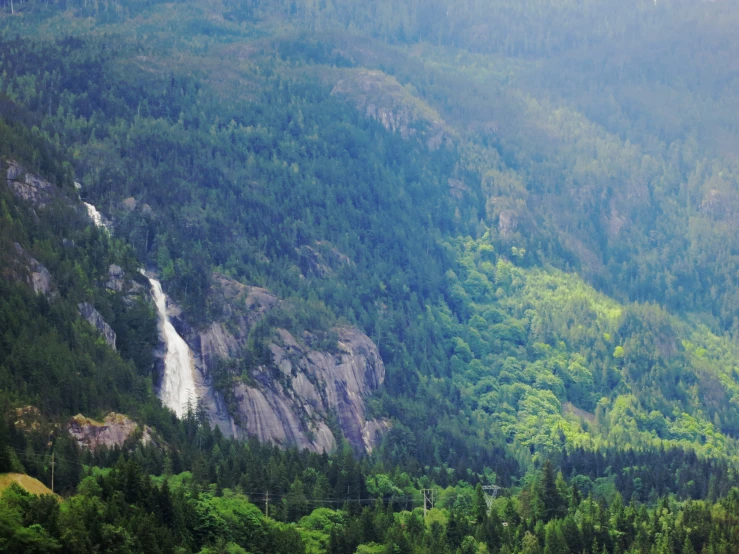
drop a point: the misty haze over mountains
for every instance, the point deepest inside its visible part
(428, 276)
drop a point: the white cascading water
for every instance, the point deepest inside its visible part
(178, 386)
(96, 216)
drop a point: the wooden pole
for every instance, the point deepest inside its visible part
(53, 463)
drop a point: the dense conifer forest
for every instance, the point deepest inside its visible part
(533, 206)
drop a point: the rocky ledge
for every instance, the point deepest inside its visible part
(93, 317)
(28, 269)
(113, 431)
(381, 97)
(29, 187)
(291, 405)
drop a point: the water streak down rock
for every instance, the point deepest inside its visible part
(97, 218)
(177, 389)
(290, 406)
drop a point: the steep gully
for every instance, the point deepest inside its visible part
(289, 404)
(177, 389)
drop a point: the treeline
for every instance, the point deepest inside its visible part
(126, 510)
(640, 475)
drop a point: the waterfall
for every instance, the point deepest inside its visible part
(96, 216)
(178, 385)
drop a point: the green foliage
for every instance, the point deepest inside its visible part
(222, 144)
(291, 188)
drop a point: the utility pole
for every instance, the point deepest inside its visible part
(52, 471)
(428, 499)
(266, 507)
(490, 491)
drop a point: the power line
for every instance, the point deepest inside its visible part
(425, 497)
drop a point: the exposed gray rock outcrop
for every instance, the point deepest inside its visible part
(382, 98)
(115, 278)
(119, 281)
(291, 400)
(292, 407)
(29, 187)
(458, 189)
(33, 272)
(507, 223)
(114, 431)
(322, 259)
(94, 318)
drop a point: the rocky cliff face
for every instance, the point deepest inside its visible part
(119, 281)
(94, 318)
(29, 270)
(291, 400)
(29, 187)
(23, 267)
(382, 98)
(39, 193)
(113, 431)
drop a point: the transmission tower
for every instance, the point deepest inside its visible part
(428, 499)
(490, 491)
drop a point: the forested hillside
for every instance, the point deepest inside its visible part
(529, 207)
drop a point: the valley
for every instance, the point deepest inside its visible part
(389, 250)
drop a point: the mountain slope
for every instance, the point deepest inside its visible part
(447, 177)
(418, 251)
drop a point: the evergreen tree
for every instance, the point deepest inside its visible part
(455, 529)
(530, 544)
(555, 541)
(296, 504)
(491, 531)
(572, 535)
(688, 547)
(575, 498)
(551, 500)
(480, 507)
